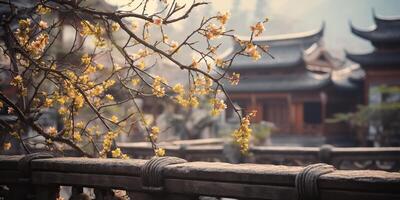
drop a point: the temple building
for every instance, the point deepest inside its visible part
(300, 87)
(381, 65)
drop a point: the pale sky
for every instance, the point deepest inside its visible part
(290, 16)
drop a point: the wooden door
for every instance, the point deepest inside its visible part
(277, 112)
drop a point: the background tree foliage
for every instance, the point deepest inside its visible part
(383, 117)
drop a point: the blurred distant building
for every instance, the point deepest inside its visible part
(381, 68)
(382, 64)
(300, 87)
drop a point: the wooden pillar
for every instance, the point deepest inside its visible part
(291, 113)
(324, 101)
(298, 117)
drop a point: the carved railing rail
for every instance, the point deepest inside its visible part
(384, 158)
(39, 177)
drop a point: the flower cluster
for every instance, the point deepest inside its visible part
(258, 28)
(243, 134)
(213, 31)
(160, 152)
(154, 131)
(252, 51)
(94, 30)
(18, 82)
(115, 27)
(107, 143)
(24, 33)
(235, 78)
(42, 10)
(117, 153)
(223, 17)
(218, 106)
(157, 86)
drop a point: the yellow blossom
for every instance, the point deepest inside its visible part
(213, 31)
(218, 106)
(90, 29)
(80, 125)
(143, 53)
(42, 10)
(251, 50)
(194, 102)
(43, 25)
(78, 101)
(141, 65)
(194, 64)
(77, 136)
(107, 142)
(114, 119)
(96, 91)
(243, 133)
(209, 67)
(220, 63)
(258, 28)
(108, 83)
(17, 80)
(37, 46)
(181, 101)
(52, 131)
(7, 146)
(90, 69)
(173, 46)
(109, 97)
(62, 99)
(157, 86)
(24, 23)
(178, 88)
(62, 110)
(48, 103)
(86, 59)
(154, 131)
(116, 153)
(234, 79)
(135, 81)
(115, 27)
(160, 152)
(100, 66)
(165, 38)
(223, 17)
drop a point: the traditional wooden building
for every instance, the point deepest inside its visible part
(382, 64)
(300, 87)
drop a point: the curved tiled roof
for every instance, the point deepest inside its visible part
(281, 83)
(376, 58)
(286, 49)
(386, 31)
(284, 57)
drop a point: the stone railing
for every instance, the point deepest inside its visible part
(39, 176)
(383, 158)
